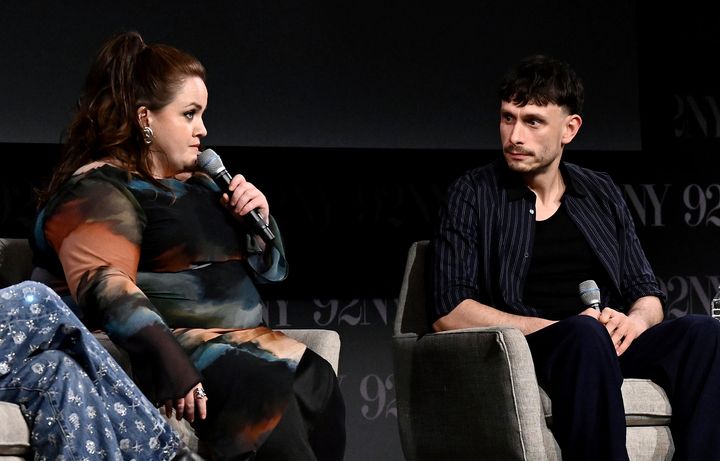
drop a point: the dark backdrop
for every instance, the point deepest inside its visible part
(354, 118)
(324, 73)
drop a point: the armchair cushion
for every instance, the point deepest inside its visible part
(14, 433)
(646, 404)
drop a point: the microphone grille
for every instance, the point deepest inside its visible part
(589, 292)
(209, 161)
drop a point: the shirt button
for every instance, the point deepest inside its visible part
(532, 211)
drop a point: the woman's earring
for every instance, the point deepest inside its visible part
(148, 135)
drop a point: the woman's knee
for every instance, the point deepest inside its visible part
(33, 299)
(43, 369)
(36, 291)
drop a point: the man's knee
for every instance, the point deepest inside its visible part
(583, 329)
(701, 328)
(697, 321)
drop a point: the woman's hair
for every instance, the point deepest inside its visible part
(126, 74)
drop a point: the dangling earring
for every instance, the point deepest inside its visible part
(148, 135)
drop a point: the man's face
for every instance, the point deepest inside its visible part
(533, 136)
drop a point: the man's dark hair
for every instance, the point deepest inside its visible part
(543, 80)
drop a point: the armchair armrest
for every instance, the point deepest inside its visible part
(448, 381)
(325, 343)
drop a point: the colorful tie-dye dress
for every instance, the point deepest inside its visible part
(170, 275)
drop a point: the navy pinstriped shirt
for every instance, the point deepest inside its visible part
(485, 238)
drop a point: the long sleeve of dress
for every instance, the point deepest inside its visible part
(96, 230)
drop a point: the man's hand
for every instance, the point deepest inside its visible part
(645, 312)
(622, 329)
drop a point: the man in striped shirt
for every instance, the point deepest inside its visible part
(516, 238)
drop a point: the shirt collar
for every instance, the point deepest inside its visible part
(516, 189)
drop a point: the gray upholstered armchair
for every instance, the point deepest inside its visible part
(16, 266)
(473, 394)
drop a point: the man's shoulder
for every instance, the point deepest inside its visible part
(589, 178)
(483, 174)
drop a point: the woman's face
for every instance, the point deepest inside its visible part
(177, 129)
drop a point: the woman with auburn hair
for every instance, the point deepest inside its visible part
(157, 255)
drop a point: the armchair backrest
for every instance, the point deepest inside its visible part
(15, 261)
(413, 301)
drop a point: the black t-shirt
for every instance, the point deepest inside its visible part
(561, 260)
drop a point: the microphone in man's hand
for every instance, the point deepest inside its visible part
(590, 294)
(210, 163)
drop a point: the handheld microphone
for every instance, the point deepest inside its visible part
(210, 163)
(590, 294)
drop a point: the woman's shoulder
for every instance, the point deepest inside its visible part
(98, 195)
(99, 173)
(88, 167)
(99, 184)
